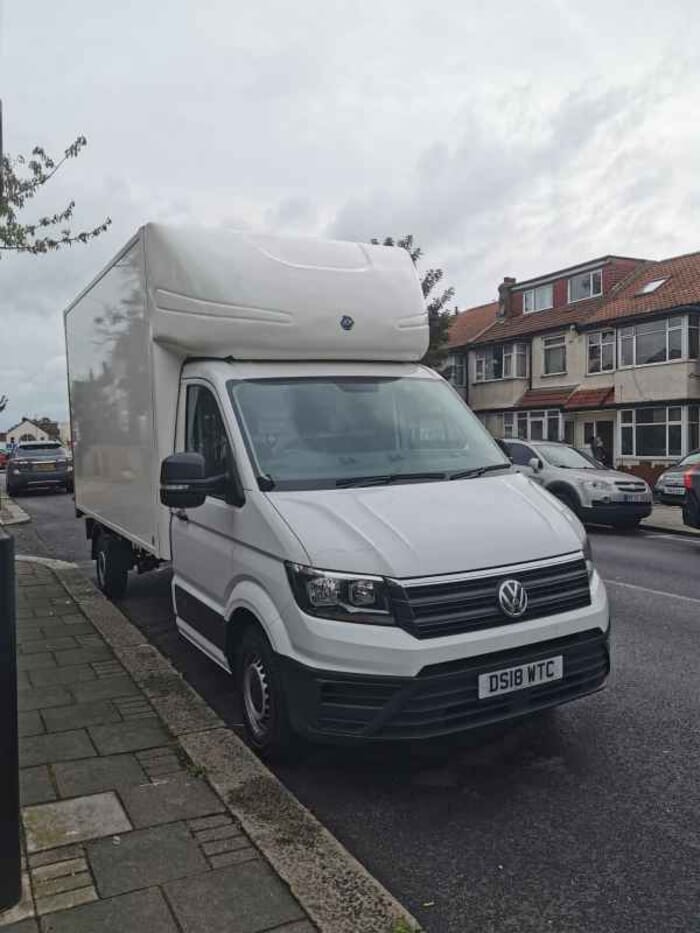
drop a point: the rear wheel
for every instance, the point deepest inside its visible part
(262, 697)
(112, 565)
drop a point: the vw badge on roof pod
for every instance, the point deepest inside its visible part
(346, 322)
(512, 597)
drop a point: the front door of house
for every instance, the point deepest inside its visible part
(605, 430)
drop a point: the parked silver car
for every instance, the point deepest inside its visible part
(598, 495)
(670, 487)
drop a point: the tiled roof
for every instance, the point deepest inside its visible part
(470, 323)
(681, 289)
(556, 397)
(591, 398)
(522, 325)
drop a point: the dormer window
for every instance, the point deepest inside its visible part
(585, 285)
(538, 299)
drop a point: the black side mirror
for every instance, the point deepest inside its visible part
(182, 481)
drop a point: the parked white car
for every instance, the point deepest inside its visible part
(597, 495)
(346, 538)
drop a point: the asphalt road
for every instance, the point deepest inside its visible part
(587, 819)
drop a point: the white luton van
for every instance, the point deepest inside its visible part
(345, 537)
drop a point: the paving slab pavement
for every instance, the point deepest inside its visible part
(123, 828)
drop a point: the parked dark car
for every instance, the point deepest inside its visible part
(691, 503)
(670, 488)
(39, 464)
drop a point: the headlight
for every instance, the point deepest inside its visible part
(600, 485)
(588, 554)
(346, 597)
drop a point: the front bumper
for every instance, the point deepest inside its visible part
(443, 698)
(610, 512)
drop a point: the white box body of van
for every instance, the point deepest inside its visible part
(485, 604)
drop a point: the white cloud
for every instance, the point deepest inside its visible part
(508, 138)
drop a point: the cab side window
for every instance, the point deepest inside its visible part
(205, 433)
(520, 454)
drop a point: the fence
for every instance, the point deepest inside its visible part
(10, 864)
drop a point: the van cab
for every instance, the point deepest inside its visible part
(346, 538)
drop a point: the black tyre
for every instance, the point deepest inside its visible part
(112, 564)
(262, 697)
(12, 491)
(627, 524)
(568, 498)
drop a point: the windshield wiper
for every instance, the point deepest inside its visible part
(385, 479)
(479, 471)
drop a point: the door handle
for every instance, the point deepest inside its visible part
(181, 514)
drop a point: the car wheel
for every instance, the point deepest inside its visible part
(626, 524)
(568, 498)
(112, 566)
(262, 697)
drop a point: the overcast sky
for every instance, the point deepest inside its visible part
(510, 138)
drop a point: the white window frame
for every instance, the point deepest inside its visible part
(601, 338)
(514, 353)
(555, 342)
(458, 363)
(580, 275)
(684, 326)
(511, 420)
(538, 302)
(632, 425)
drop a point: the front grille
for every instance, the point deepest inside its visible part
(630, 485)
(444, 699)
(429, 610)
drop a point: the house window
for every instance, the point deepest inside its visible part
(585, 285)
(554, 355)
(502, 362)
(457, 366)
(659, 341)
(693, 336)
(652, 286)
(538, 299)
(532, 425)
(601, 351)
(693, 427)
(652, 431)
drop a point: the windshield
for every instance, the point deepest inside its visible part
(321, 432)
(44, 452)
(566, 457)
(691, 459)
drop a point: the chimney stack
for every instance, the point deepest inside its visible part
(504, 298)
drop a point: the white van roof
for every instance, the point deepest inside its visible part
(215, 292)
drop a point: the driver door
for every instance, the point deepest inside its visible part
(521, 454)
(204, 549)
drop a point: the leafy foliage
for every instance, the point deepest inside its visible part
(438, 314)
(22, 179)
(3, 402)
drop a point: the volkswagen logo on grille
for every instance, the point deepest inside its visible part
(346, 322)
(512, 597)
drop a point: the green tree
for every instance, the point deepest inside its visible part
(21, 179)
(3, 402)
(438, 314)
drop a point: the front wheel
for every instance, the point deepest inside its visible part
(112, 566)
(262, 697)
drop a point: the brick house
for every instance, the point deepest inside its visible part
(607, 347)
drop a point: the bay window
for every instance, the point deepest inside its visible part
(601, 351)
(554, 355)
(653, 431)
(659, 341)
(693, 428)
(507, 361)
(532, 425)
